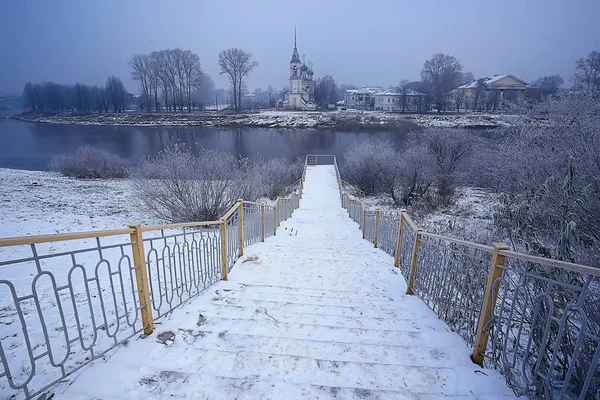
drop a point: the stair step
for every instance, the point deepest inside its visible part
(329, 293)
(314, 308)
(302, 370)
(327, 349)
(276, 314)
(291, 330)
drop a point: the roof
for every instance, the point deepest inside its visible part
(365, 90)
(490, 80)
(393, 92)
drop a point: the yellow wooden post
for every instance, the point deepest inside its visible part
(365, 224)
(360, 215)
(262, 224)
(274, 221)
(141, 276)
(223, 250)
(278, 212)
(316, 160)
(241, 225)
(413, 264)
(489, 299)
(376, 229)
(399, 240)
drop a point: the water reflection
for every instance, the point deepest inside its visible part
(31, 146)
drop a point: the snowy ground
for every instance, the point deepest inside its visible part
(35, 202)
(347, 119)
(314, 312)
(469, 218)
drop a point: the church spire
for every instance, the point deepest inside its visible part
(295, 56)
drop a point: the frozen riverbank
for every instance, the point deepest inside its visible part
(35, 203)
(346, 120)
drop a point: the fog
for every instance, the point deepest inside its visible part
(361, 43)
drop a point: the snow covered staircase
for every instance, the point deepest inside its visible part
(314, 312)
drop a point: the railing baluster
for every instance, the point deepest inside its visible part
(241, 225)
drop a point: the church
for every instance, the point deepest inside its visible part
(301, 95)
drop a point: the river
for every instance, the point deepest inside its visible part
(31, 146)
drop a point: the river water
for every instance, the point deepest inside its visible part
(31, 146)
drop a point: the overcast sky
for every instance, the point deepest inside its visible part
(359, 42)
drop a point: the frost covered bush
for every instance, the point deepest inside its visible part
(89, 162)
(278, 174)
(426, 169)
(371, 165)
(178, 185)
(550, 185)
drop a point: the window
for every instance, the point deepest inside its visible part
(388, 99)
(393, 100)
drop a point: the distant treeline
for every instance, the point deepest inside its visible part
(174, 73)
(55, 97)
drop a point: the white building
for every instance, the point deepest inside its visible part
(361, 99)
(301, 95)
(390, 100)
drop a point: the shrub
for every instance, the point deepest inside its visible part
(90, 163)
(278, 174)
(177, 185)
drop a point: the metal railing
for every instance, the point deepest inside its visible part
(68, 299)
(536, 320)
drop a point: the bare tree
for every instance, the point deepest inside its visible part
(587, 71)
(325, 90)
(139, 72)
(467, 77)
(444, 73)
(403, 88)
(236, 64)
(549, 85)
(116, 93)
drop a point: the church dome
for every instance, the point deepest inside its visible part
(304, 67)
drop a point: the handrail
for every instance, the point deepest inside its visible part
(59, 237)
(473, 245)
(362, 194)
(583, 269)
(179, 225)
(145, 289)
(499, 301)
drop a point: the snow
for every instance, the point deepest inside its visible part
(280, 119)
(36, 203)
(470, 217)
(314, 312)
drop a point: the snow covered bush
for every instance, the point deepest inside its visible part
(177, 185)
(426, 169)
(549, 182)
(371, 165)
(278, 174)
(90, 163)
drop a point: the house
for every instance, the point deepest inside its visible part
(390, 100)
(486, 93)
(361, 99)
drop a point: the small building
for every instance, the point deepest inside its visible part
(361, 99)
(486, 93)
(390, 100)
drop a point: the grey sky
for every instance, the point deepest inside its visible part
(359, 42)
